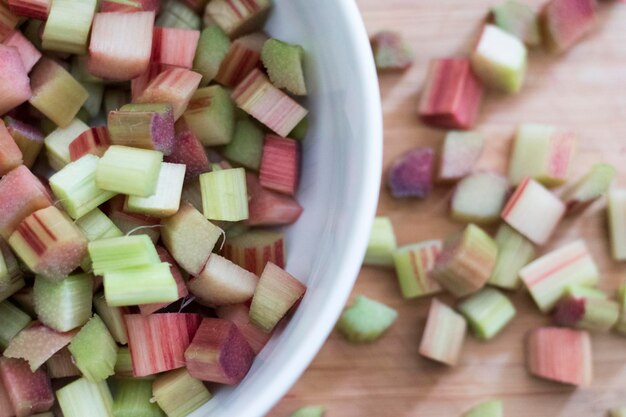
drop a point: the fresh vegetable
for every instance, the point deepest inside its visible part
(178, 393)
(381, 244)
(236, 17)
(566, 22)
(444, 334)
(518, 19)
(589, 188)
(243, 56)
(94, 350)
(514, 252)
(460, 152)
(411, 174)
(366, 320)
(492, 408)
(414, 265)
(391, 51)
(284, 62)
(584, 309)
(491, 187)
(487, 312)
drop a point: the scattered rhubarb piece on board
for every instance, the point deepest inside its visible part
(559, 354)
(237, 17)
(617, 222)
(94, 350)
(518, 19)
(12, 321)
(84, 398)
(254, 249)
(36, 344)
(487, 312)
(222, 282)
(243, 56)
(14, 82)
(179, 394)
(310, 411)
(239, 314)
(414, 265)
(452, 95)
(365, 320)
(514, 252)
(64, 305)
(280, 164)
(210, 116)
(411, 174)
(28, 138)
(444, 334)
(178, 15)
(533, 211)
(68, 25)
(618, 412)
(28, 392)
(284, 64)
(391, 51)
(492, 189)
(589, 188)
(133, 397)
(381, 244)
(460, 153)
(565, 22)
(492, 408)
(213, 46)
(586, 309)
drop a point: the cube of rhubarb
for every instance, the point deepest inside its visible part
(269, 208)
(178, 15)
(28, 138)
(146, 126)
(587, 309)
(255, 249)
(547, 277)
(414, 265)
(174, 46)
(284, 62)
(35, 9)
(10, 154)
(518, 19)
(239, 314)
(60, 365)
(444, 334)
(237, 17)
(222, 282)
(58, 143)
(94, 141)
(391, 51)
(466, 261)
(36, 344)
(147, 309)
(29, 392)
(514, 252)
(8, 20)
(121, 6)
(589, 188)
(533, 211)
(49, 243)
(280, 164)
(67, 26)
(566, 22)
(179, 394)
(561, 355)
(266, 103)
(28, 52)
(14, 82)
(174, 86)
(120, 45)
(243, 56)
(210, 115)
(617, 222)
(452, 95)
(544, 153)
(411, 174)
(460, 153)
(158, 342)
(492, 189)
(212, 49)
(219, 353)
(21, 194)
(499, 60)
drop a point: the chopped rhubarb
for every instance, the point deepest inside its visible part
(179, 394)
(177, 14)
(10, 153)
(94, 350)
(140, 285)
(414, 265)
(28, 138)
(210, 115)
(146, 126)
(222, 282)
(239, 314)
(518, 19)
(127, 170)
(589, 188)
(64, 305)
(565, 22)
(85, 398)
(164, 255)
(487, 312)
(174, 46)
(237, 17)
(10, 271)
(94, 141)
(35, 9)
(246, 146)
(135, 224)
(58, 143)
(280, 164)
(514, 252)
(491, 408)
(492, 188)
(267, 207)
(68, 25)
(29, 392)
(188, 150)
(230, 185)
(243, 56)
(586, 309)
(14, 82)
(28, 52)
(165, 201)
(366, 320)
(60, 365)
(133, 397)
(411, 174)
(113, 318)
(391, 51)
(460, 153)
(12, 321)
(444, 334)
(212, 49)
(254, 249)
(36, 344)
(381, 243)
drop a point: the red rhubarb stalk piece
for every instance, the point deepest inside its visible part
(280, 164)
(174, 46)
(411, 175)
(14, 82)
(29, 54)
(35, 9)
(61, 365)
(37, 343)
(269, 208)
(29, 392)
(242, 57)
(565, 22)
(6, 408)
(28, 138)
(188, 150)
(239, 314)
(94, 141)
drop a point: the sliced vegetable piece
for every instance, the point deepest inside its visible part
(10, 154)
(28, 138)
(243, 56)
(284, 62)
(237, 17)
(414, 265)
(213, 46)
(29, 392)
(460, 152)
(391, 51)
(269, 208)
(94, 350)
(36, 344)
(280, 164)
(133, 399)
(487, 312)
(14, 80)
(381, 244)
(224, 195)
(518, 19)
(587, 312)
(12, 321)
(58, 143)
(514, 252)
(129, 170)
(365, 320)
(140, 285)
(589, 188)
(179, 394)
(411, 174)
(85, 398)
(146, 126)
(68, 25)
(239, 314)
(492, 189)
(165, 201)
(222, 282)
(113, 317)
(565, 22)
(210, 116)
(64, 305)
(255, 248)
(174, 46)
(444, 334)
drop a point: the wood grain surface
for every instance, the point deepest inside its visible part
(584, 90)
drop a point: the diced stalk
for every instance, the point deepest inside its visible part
(85, 398)
(210, 115)
(224, 195)
(181, 285)
(29, 392)
(12, 321)
(14, 80)
(487, 312)
(179, 394)
(129, 171)
(174, 46)
(240, 315)
(255, 248)
(381, 244)
(124, 363)
(460, 153)
(23, 297)
(514, 252)
(617, 222)
(10, 154)
(165, 201)
(81, 73)
(175, 86)
(95, 225)
(213, 46)
(299, 132)
(269, 208)
(246, 147)
(59, 141)
(284, 62)
(280, 165)
(414, 265)
(61, 365)
(64, 305)
(133, 399)
(94, 141)
(94, 100)
(584, 311)
(34, 9)
(113, 317)
(565, 22)
(310, 411)
(444, 334)
(189, 151)
(175, 14)
(366, 320)
(518, 19)
(146, 126)
(28, 138)
(237, 17)
(10, 272)
(493, 190)
(94, 350)
(140, 285)
(411, 174)
(243, 56)
(12, 289)
(68, 25)
(589, 188)
(492, 408)
(391, 51)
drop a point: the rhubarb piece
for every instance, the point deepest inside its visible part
(466, 261)
(276, 293)
(299, 132)
(219, 353)
(492, 189)
(269, 208)
(519, 20)
(514, 252)
(237, 17)
(68, 24)
(310, 411)
(411, 175)
(28, 138)
(254, 249)
(49, 243)
(381, 244)
(36, 344)
(589, 188)
(140, 285)
(158, 342)
(133, 398)
(28, 52)
(414, 265)
(12, 321)
(533, 211)
(190, 238)
(548, 276)
(179, 394)
(452, 95)
(224, 195)
(492, 408)
(460, 153)
(14, 82)
(222, 282)
(210, 116)
(499, 60)
(561, 355)
(487, 312)
(181, 285)
(94, 99)
(124, 363)
(80, 71)
(543, 153)
(94, 141)
(280, 164)
(146, 126)
(120, 45)
(243, 56)
(266, 103)
(246, 147)
(113, 318)
(5, 403)
(188, 150)
(129, 170)
(10, 153)
(85, 398)
(391, 51)
(59, 141)
(165, 201)
(64, 305)
(95, 225)
(55, 92)
(34, 9)
(175, 86)
(29, 392)
(617, 412)
(121, 6)
(617, 222)
(94, 350)
(21, 193)
(365, 320)
(594, 312)
(175, 14)
(444, 334)
(213, 46)
(239, 314)
(75, 186)
(175, 47)
(565, 22)
(60, 365)
(10, 272)
(133, 224)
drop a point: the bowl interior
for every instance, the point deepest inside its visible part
(339, 190)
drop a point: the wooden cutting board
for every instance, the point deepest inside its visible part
(584, 90)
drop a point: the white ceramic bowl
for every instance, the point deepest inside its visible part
(338, 189)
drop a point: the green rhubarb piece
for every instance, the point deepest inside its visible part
(75, 187)
(95, 225)
(117, 253)
(129, 170)
(414, 264)
(143, 125)
(589, 188)
(113, 317)
(246, 148)
(179, 394)
(64, 305)
(175, 14)
(492, 408)
(310, 411)
(133, 399)
(366, 320)
(616, 207)
(210, 115)
(238, 17)
(283, 62)
(586, 308)
(124, 363)
(514, 252)
(58, 143)
(487, 312)
(83, 398)
(213, 46)
(299, 132)
(12, 321)
(381, 244)
(224, 195)
(165, 201)
(94, 350)
(140, 285)
(581, 291)
(443, 335)
(81, 73)
(68, 25)
(94, 100)
(518, 19)
(492, 188)
(618, 412)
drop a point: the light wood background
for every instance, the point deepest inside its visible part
(584, 90)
